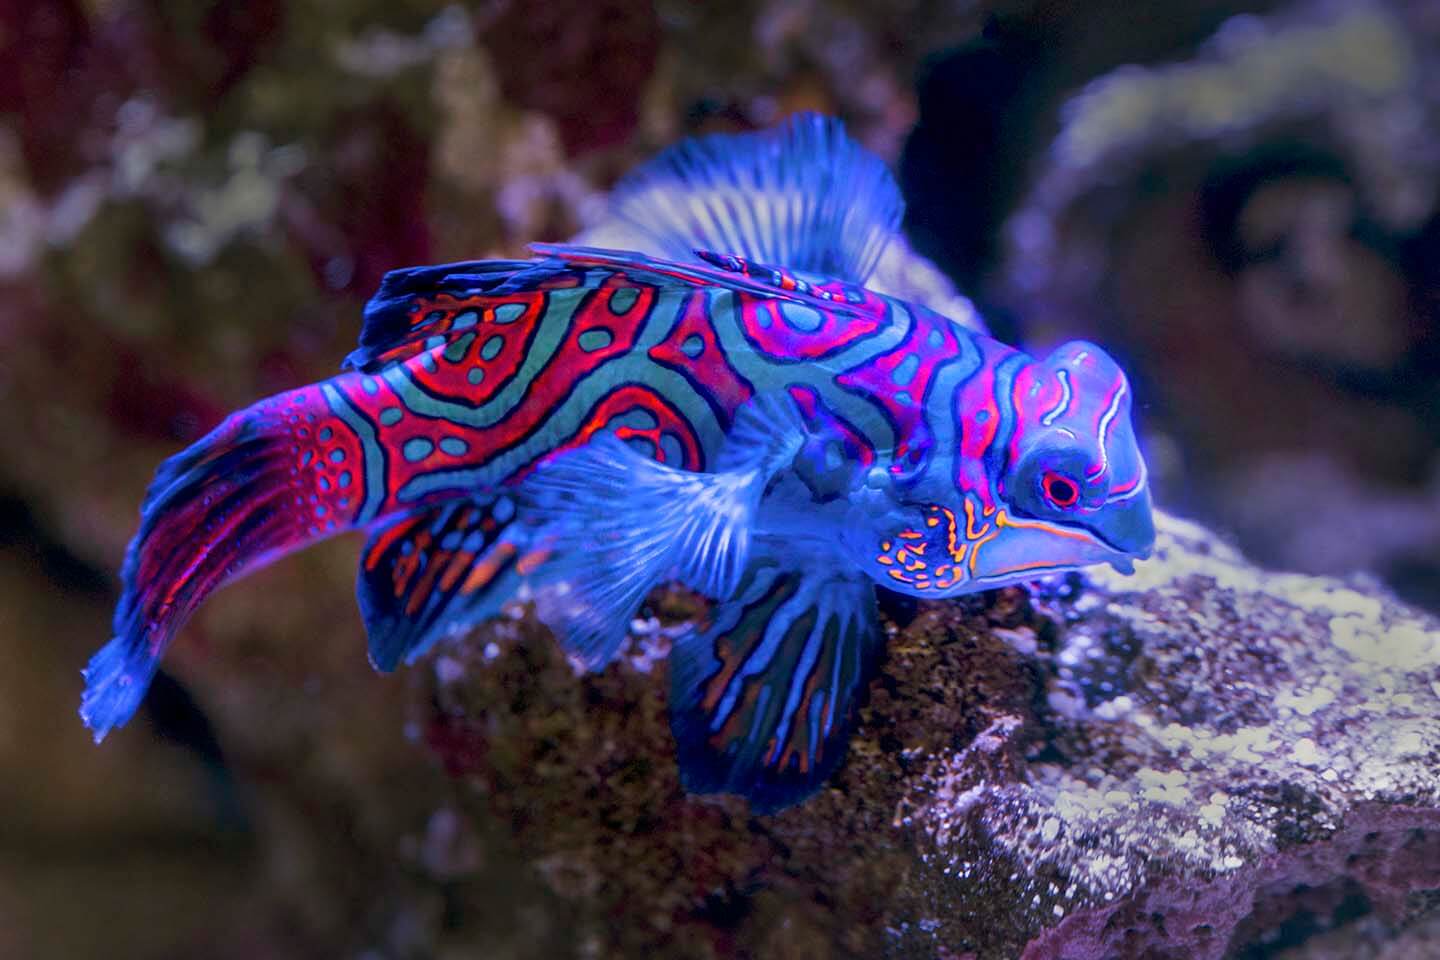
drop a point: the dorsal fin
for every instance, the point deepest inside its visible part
(422, 308)
(708, 269)
(802, 196)
(777, 277)
(391, 321)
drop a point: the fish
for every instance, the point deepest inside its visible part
(733, 409)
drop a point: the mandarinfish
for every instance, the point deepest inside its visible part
(590, 423)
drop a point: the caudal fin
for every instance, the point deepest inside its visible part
(270, 479)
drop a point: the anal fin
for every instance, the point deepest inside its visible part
(439, 569)
(764, 701)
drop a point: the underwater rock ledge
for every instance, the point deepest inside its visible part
(1179, 763)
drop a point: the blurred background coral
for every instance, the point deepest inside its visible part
(1238, 199)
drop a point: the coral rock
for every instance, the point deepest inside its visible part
(1183, 762)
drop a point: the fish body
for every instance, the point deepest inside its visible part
(592, 422)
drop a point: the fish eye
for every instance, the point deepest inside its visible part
(1059, 489)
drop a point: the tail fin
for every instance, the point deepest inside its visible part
(272, 478)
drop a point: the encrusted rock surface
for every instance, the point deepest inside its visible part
(1182, 763)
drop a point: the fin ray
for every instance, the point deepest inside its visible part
(699, 273)
(621, 523)
(418, 307)
(803, 195)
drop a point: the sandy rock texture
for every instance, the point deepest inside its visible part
(1195, 761)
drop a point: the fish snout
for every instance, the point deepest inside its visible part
(1130, 527)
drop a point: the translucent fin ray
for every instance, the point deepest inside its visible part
(621, 523)
(803, 195)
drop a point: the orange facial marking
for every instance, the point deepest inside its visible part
(951, 535)
(970, 532)
(975, 547)
(1005, 520)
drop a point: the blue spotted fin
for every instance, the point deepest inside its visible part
(439, 569)
(763, 702)
(803, 195)
(620, 523)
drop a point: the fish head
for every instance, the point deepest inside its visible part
(1065, 487)
(1073, 488)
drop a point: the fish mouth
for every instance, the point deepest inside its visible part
(1121, 559)
(1128, 537)
(1101, 552)
(1125, 557)
(1138, 544)
(1129, 532)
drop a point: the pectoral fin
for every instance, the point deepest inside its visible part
(764, 701)
(620, 523)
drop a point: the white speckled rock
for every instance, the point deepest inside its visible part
(1271, 729)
